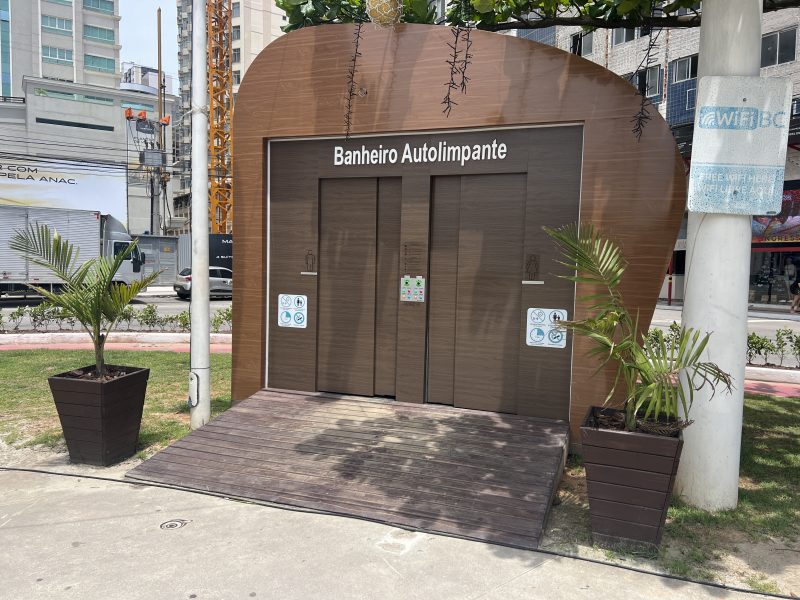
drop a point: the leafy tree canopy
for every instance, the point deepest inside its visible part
(497, 15)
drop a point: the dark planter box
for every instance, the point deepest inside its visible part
(100, 419)
(630, 477)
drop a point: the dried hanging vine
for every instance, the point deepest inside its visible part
(351, 79)
(643, 116)
(454, 63)
(460, 58)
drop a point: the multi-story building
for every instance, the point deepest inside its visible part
(255, 23)
(669, 80)
(62, 104)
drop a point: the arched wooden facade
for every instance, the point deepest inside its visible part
(573, 122)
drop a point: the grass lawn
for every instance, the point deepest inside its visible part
(28, 415)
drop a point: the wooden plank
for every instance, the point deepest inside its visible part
(628, 459)
(616, 528)
(627, 512)
(627, 494)
(648, 481)
(662, 446)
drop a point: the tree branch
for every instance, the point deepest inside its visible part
(630, 22)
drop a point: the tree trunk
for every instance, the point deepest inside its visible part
(99, 345)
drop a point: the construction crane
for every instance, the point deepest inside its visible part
(220, 113)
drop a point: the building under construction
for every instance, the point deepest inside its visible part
(238, 31)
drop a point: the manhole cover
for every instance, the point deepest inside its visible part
(174, 524)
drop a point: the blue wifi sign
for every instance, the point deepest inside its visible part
(741, 118)
(739, 147)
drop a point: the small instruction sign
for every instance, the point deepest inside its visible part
(412, 289)
(292, 310)
(544, 329)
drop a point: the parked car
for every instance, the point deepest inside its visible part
(220, 282)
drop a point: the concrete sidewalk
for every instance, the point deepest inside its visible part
(73, 537)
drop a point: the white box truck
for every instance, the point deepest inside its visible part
(92, 233)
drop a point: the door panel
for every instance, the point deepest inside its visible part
(346, 330)
(388, 284)
(445, 207)
(490, 249)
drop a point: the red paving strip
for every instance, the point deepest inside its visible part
(181, 347)
(786, 390)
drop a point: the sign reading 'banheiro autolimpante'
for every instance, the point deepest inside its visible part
(441, 152)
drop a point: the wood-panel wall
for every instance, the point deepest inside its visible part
(633, 190)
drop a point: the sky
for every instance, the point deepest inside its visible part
(137, 31)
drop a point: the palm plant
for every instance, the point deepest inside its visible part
(89, 293)
(658, 377)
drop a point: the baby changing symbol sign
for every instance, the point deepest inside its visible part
(544, 328)
(292, 310)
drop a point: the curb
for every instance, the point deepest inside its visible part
(771, 375)
(118, 337)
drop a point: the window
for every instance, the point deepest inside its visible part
(237, 77)
(106, 6)
(778, 48)
(57, 25)
(691, 98)
(690, 11)
(100, 34)
(64, 2)
(237, 32)
(235, 10)
(647, 81)
(99, 63)
(582, 43)
(651, 86)
(622, 35)
(120, 247)
(237, 55)
(73, 97)
(58, 56)
(74, 124)
(685, 69)
(139, 106)
(795, 107)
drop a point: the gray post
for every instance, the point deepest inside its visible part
(200, 376)
(717, 283)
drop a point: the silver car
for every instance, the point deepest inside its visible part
(220, 282)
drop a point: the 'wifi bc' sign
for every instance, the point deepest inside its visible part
(742, 118)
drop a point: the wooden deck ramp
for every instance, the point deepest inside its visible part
(471, 474)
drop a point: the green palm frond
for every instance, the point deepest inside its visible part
(89, 292)
(46, 249)
(659, 378)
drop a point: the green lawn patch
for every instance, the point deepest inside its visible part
(769, 493)
(28, 415)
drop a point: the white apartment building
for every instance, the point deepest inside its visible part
(255, 23)
(62, 104)
(669, 81)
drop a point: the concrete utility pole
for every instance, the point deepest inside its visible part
(717, 278)
(200, 375)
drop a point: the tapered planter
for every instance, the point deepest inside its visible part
(630, 477)
(100, 419)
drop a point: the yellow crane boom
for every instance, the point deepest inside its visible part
(220, 113)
